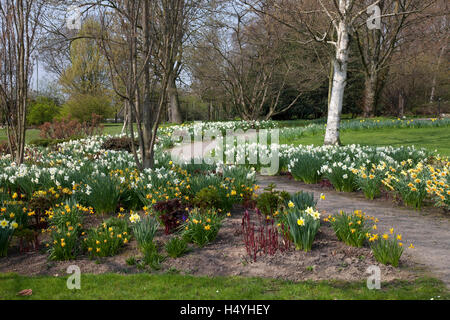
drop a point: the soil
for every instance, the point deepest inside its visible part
(226, 256)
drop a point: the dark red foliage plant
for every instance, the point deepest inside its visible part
(67, 128)
(172, 214)
(264, 237)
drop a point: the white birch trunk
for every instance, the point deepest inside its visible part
(339, 79)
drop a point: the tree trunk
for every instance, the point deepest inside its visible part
(339, 81)
(401, 104)
(370, 93)
(433, 85)
(174, 102)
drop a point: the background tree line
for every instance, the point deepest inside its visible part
(146, 62)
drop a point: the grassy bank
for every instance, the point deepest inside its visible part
(174, 286)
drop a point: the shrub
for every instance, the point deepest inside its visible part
(303, 226)
(388, 249)
(4, 148)
(271, 201)
(45, 142)
(82, 106)
(208, 197)
(42, 110)
(176, 247)
(352, 229)
(202, 227)
(172, 213)
(119, 144)
(68, 128)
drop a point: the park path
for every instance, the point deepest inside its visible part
(428, 230)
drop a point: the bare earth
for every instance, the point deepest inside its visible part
(226, 256)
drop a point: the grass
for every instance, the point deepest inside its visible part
(174, 286)
(33, 134)
(430, 138)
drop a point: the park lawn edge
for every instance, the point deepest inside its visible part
(143, 286)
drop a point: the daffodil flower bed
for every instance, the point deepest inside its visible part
(107, 239)
(65, 229)
(388, 248)
(7, 229)
(202, 227)
(352, 229)
(303, 226)
(415, 175)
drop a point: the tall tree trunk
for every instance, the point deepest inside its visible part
(174, 101)
(433, 85)
(401, 104)
(340, 63)
(370, 93)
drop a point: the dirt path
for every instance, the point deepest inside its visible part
(428, 230)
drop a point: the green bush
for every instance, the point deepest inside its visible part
(271, 201)
(45, 142)
(42, 110)
(82, 106)
(208, 197)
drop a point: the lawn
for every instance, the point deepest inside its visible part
(430, 138)
(174, 286)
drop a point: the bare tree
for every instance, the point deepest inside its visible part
(141, 50)
(377, 46)
(19, 36)
(252, 58)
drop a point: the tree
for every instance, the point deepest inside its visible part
(87, 72)
(19, 25)
(141, 49)
(331, 22)
(377, 46)
(43, 109)
(252, 58)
